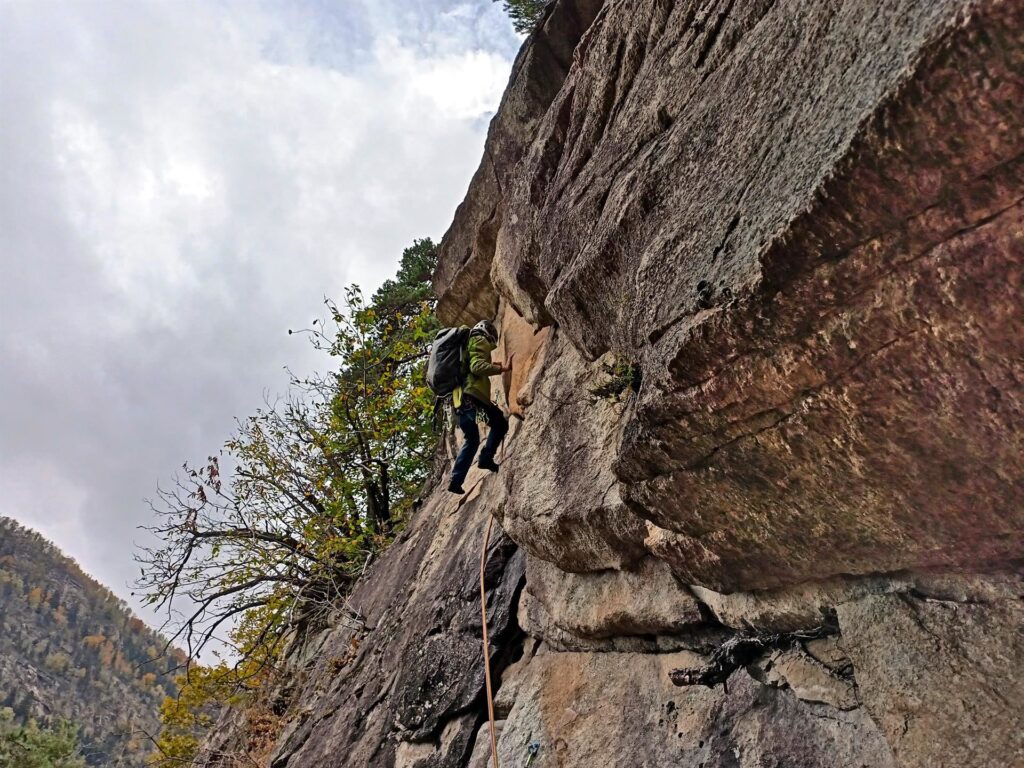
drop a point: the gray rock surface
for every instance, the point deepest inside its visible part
(647, 600)
(404, 684)
(613, 709)
(538, 73)
(942, 679)
(809, 679)
(562, 499)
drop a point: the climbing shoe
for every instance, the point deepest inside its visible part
(488, 464)
(454, 487)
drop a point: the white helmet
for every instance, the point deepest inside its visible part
(486, 329)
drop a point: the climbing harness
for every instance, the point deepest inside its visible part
(487, 652)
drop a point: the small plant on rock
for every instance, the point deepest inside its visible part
(620, 377)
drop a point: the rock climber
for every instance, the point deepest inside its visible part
(473, 400)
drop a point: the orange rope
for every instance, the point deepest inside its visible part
(487, 651)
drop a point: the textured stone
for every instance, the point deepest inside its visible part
(508, 682)
(791, 608)
(538, 623)
(878, 432)
(481, 757)
(943, 680)
(646, 601)
(828, 651)
(615, 709)
(528, 346)
(403, 684)
(467, 249)
(812, 604)
(807, 678)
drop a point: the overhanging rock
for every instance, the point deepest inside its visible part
(803, 222)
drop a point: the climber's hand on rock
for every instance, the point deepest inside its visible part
(507, 365)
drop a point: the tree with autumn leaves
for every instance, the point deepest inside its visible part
(271, 532)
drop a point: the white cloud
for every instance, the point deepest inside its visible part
(180, 182)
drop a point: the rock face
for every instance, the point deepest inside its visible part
(761, 267)
(807, 235)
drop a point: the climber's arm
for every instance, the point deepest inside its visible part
(480, 362)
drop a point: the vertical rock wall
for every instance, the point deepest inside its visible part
(760, 264)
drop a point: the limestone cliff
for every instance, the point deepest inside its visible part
(761, 267)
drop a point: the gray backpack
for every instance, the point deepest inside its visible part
(446, 366)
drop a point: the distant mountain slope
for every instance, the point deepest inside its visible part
(71, 649)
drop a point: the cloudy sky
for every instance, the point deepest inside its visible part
(180, 183)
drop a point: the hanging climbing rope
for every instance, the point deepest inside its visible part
(483, 623)
(487, 651)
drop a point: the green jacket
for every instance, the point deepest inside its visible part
(480, 369)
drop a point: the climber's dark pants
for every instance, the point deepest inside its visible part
(467, 423)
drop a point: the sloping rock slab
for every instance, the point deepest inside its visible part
(462, 279)
(407, 684)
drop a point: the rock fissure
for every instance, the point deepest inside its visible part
(713, 34)
(736, 652)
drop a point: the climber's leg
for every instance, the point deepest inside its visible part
(467, 423)
(499, 427)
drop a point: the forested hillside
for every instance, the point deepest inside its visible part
(70, 649)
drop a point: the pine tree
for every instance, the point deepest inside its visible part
(33, 747)
(525, 14)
